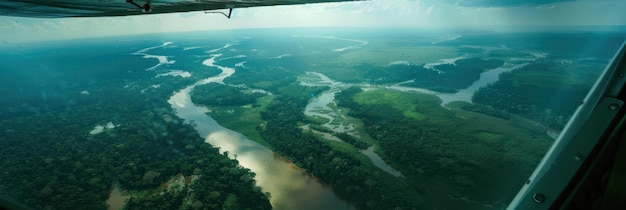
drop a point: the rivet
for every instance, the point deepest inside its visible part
(614, 106)
(539, 198)
(528, 181)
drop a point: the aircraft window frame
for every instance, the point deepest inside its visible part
(573, 148)
(571, 151)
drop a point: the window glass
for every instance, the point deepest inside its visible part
(353, 105)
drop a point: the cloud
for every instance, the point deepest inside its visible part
(448, 14)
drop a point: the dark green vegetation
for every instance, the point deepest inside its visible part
(460, 158)
(453, 152)
(50, 161)
(465, 157)
(349, 176)
(214, 94)
(448, 78)
(353, 141)
(481, 109)
(545, 91)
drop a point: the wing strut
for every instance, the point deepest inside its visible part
(146, 7)
(230, 11)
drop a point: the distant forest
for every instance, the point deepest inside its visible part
(462, 156)
(544, 91)
(50, 161)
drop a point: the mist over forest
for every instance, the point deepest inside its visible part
(294, 118)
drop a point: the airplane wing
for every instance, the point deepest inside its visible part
(101, 8)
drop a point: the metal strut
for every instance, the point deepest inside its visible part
(230, 11)
(146, 7)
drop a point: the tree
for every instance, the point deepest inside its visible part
(231, 203)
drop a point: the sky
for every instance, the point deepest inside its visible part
(474, 14)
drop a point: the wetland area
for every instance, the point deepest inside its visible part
(286, 119)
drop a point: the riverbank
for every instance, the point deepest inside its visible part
(289, 186)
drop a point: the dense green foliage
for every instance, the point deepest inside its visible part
(66, 170)
(450, 78)
(545, 91)
(222, 95)
(443, 153)
(468, 156)
(461, 150)
(348, 176)
(481, 109)
(232, 117)
(353, 141)
(51, 161)
(447, 78)
(343, 136)
(270, 78)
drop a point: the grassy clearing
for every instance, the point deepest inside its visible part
(243, 119)
(413, 114)
(471, 142)
(404, 102)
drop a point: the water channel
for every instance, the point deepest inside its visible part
(320, 105)
(290, 187)
(465, 94)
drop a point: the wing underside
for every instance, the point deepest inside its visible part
(101, 8)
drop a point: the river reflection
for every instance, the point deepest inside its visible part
(290, 187)
(486, 78)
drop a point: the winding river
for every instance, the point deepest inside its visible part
(290, 187)
(465, 94)
(319, 105)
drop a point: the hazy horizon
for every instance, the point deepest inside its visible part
(440, 15)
